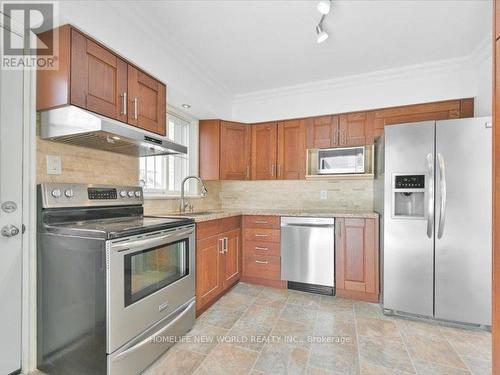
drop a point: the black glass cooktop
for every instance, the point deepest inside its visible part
(111, 228)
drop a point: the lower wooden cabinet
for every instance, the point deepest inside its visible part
(357, 259)
(218, 259)
(261, 250)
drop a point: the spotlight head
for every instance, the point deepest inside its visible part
(322, 35)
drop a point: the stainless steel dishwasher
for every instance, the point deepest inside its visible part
(307, 254)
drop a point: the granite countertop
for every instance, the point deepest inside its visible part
(221, 214)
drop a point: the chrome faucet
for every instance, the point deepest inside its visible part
(204, 191)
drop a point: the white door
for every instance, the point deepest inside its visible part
(11, 167)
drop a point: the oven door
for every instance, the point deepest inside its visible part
(148, 277)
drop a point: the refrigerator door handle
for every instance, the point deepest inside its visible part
(442, 187)
(430, 201)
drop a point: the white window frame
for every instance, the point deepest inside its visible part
(192, 188)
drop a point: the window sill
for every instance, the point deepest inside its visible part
(169, 197)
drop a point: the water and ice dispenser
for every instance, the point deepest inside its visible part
(408, 196)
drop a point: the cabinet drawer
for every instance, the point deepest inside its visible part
(262, 235)
(210, 228)
(262, 266)
(266, 222)
(262, 248)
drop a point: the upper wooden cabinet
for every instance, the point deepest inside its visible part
(357, 259)
(147, 98)
(278, 149)
(92, 77)
(234, 151)
(322, 132)
(351, 129)
(98, 78)
(356, 129)
(444, 110)
(224, 150)
(264, 151)
(291, 150)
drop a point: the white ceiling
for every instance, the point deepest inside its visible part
(255, 45)
(243, 46)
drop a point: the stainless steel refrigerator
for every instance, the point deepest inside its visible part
(434, 191)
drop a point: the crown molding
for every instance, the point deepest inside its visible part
(366, 79)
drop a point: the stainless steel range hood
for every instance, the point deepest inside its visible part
(79, 127)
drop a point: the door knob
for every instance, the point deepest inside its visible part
(10, 231)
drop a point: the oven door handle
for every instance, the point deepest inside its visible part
(149, 339)
(150, 242)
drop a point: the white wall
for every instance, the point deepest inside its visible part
(483, 101)
(450, 79)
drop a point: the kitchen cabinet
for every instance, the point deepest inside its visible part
(147, 102)
(357, 259)
(234, 151)
(231, 261)
(224, 150)
(92, 77)
(351, 129)
(444, 110)
(355, 129)
(322, 132)
(218, 259)
(261, 250)
(264, 151)
(224, 146)
(291, 150)
(98, 78)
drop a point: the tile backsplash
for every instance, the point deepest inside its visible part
(85, 165)
(165, 206)
(297, 194)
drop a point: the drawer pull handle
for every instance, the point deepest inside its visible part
(261, 248)
(261, 222)
(260, 235)
(262, 262)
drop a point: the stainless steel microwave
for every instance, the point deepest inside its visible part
(343, 160)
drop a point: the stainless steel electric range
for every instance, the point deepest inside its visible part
(114, 286)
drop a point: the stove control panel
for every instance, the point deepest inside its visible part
(82, 195)
(102, 193)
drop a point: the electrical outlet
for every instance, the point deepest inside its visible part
(53, 164)
(323, 194)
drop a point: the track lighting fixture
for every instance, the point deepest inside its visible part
(324, 8)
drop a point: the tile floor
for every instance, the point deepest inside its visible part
(312, 334)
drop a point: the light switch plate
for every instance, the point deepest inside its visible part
(323, 194)
(53, 164)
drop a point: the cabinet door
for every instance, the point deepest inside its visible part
(264, 151)
(357, 256)
(234, 151)
(208, 270)
(231, 264)
(147, 102)
(356, 129)
(322, 132)
(98, 78)
(209, 149)
(291, 150)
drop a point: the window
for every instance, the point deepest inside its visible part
(162, 175)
